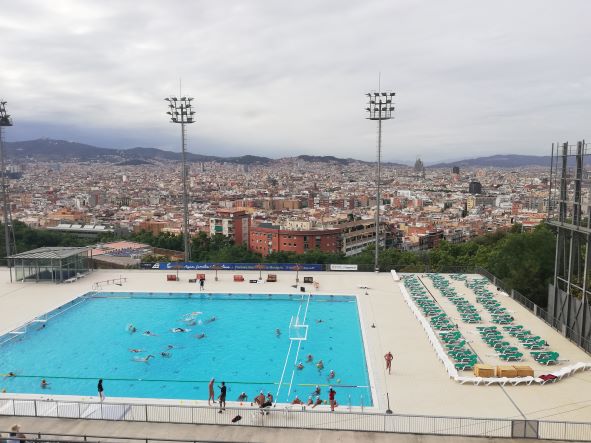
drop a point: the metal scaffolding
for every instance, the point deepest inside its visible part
(569, 211)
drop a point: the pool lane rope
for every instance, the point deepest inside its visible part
(57, 377)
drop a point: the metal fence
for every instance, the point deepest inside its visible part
(297, 417)
(44, 437)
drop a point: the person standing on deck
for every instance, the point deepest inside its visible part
(222, 397)
(100, 390)
(389, 357)
(331, 394)
(211, 392)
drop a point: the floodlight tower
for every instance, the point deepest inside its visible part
(5, 120)
(181, 111)
(379, 107)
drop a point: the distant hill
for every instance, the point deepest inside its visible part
(342, 161)
(46, 149)
(499, 161)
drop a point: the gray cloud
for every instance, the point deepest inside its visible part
(281, 78)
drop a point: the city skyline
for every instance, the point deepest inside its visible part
(279, 80)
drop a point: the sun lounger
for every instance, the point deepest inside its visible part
(238, 278)
(272, 278)
(171, 277)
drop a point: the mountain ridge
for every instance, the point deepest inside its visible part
(499, 161)
(61, 150)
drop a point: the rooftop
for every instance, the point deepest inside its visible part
(53, 252)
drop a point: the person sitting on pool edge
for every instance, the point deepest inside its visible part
(296, 401)
(259, 400)
(310, 402)
(268, 400)
(317, 402)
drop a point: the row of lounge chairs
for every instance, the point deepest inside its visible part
(485, 297)
(527, 339)
(467, 311)
(455, 345)
(494, 338)
(500, 316)
(454, 340)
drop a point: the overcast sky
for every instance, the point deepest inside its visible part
(279, 78)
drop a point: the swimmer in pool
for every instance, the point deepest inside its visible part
(10, 374)
(210, 320)
(136, 351)
(316, 391)
(166, 354)
(320, 321)
(300, 366)
(143, 359)
(277, 332)
(190, 322)
(131, 328)
(179, 330)
(150, 334)
(44, 384)
(309, 358)
(320, 365)
(331, 374)
(200, 336)
(169, 346)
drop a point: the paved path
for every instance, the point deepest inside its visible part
(154, 431)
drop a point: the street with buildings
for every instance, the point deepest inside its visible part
(289, 205)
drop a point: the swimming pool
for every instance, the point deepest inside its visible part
(89, 339)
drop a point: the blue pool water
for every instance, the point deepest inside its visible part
(90, 341)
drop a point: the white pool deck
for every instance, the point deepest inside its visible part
(418, 385)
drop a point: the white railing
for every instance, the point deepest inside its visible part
(298, 417)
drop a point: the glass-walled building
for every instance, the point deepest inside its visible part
(55, 264)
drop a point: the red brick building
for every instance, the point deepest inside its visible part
(233, 223)
(267, 238)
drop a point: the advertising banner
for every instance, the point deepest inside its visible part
(173, 266)
(343, 267)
